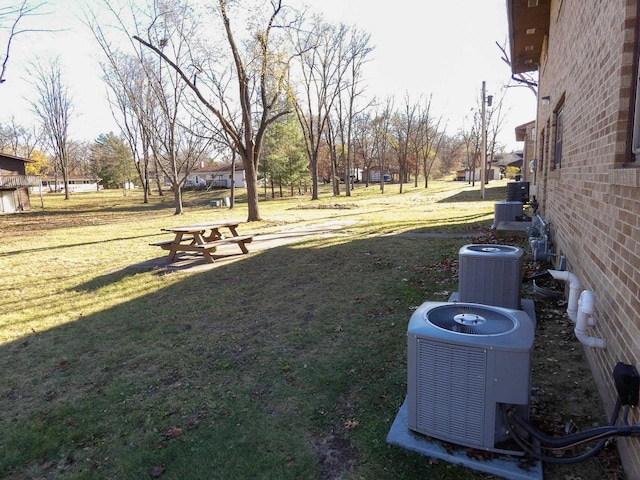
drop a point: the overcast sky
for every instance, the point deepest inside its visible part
(432, 47)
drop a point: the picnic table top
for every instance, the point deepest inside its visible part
(203, 226)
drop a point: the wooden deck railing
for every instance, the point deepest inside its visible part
(17, 181)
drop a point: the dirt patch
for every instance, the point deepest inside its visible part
(335, 455)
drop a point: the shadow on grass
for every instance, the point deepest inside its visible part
(269, 367)
(496, 193)
(464, 224)
(80, 244)
(287, 364)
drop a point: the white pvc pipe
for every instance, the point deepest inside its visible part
(586, 307)
(574, 291)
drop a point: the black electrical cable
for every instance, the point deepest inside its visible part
(625, 418)
(590, 435)
(527, 449)
(568, 441)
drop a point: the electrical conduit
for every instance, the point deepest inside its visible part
(585, 310)
(580, 308)
(574, 291)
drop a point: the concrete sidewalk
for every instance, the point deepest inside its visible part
(229, 253)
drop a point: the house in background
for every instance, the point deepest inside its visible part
(15, 183)
(586, 174)
(77, 183)
(217, 175)
(465, 175)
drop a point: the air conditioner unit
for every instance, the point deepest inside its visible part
(490, 274)
(464, 360)
(507, 212)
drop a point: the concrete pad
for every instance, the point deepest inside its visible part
(506, 466)
(512, 468)
(512, 228)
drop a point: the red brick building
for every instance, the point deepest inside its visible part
(587, 162)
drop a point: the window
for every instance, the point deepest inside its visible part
(636, 123)
(557, 152)
(633, 134)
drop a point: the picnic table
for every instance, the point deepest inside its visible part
(204, 238)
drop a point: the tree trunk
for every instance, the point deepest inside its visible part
(65, 179)
(233, 179)
(145, 179)
(177, 199)
(251, 174)
(156, 167)
(314, 177)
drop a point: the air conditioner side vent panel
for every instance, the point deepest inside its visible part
(451, 392)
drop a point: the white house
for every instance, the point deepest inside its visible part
(217, 175)
(493, 173)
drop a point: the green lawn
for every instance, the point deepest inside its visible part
(287, 364)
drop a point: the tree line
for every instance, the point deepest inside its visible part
(281, 90)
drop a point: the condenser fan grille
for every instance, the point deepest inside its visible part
(471, 320)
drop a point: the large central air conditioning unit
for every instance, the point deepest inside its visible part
(464, 360)
(490, 274)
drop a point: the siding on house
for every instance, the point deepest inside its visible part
(14, 192)
(218, 175)
(591, 195)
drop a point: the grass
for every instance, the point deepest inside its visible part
(287, 364)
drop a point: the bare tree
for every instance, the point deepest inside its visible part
(151, 97)
(260, 71)
(403, 125)
(426, 140)
(53, 106)
(321, 48)
(381, 132)
(19, 140)
(363, 142)
(523, 79)
(496, 117)
(14, 15)
(449, 155)
(356, 55)
(472, 145)
(133, 104)
(494, 121)
(177, 145)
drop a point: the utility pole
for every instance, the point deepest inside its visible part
(483, 153)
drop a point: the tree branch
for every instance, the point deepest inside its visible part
(225, 124)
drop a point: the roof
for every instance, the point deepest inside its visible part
(528, 28)
(521, 130)
(509, 159)
(13, 157)
(218, 167)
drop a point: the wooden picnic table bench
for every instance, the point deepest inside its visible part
(204, 238)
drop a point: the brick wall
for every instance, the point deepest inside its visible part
(593, 200)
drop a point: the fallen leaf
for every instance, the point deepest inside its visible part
(351, 424)
(571, 476)
(157, 470)
(173, 432)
